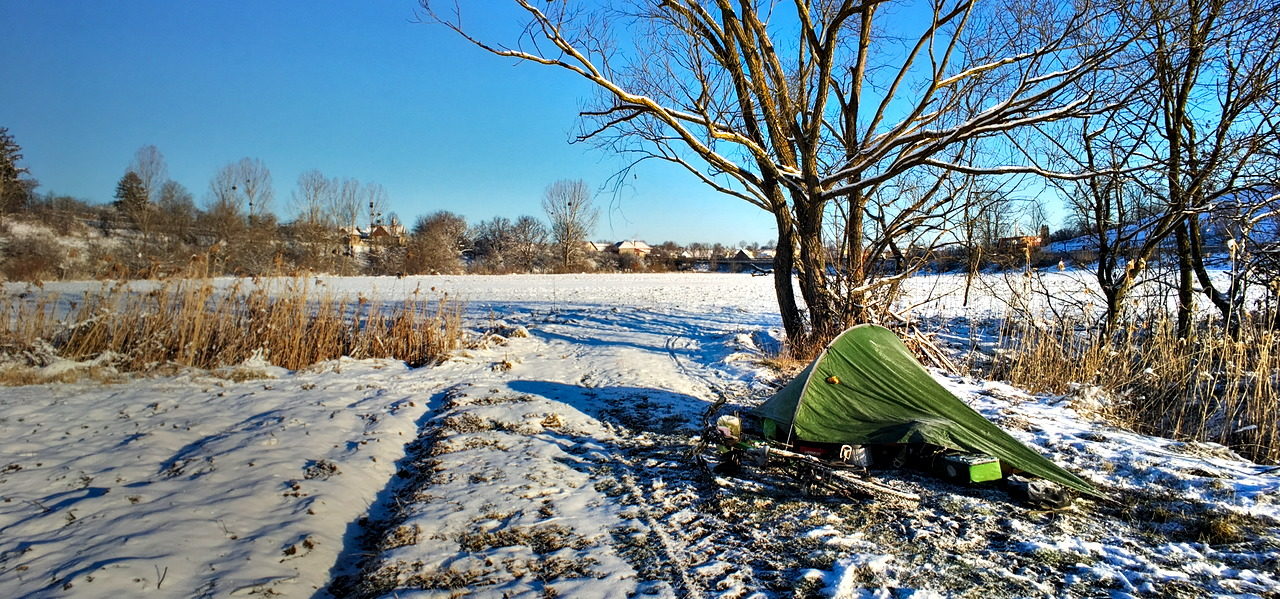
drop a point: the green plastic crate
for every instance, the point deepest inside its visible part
(974, 468)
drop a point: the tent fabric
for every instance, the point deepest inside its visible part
(867, 388)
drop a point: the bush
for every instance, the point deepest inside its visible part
(33, 259)
(631, 263)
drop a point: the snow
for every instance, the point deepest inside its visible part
(195, 485)
(554, 458)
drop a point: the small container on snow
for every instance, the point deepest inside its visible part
(730, 426)
(972, 467)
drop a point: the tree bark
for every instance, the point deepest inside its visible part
(784, 264)
(1186, 286)
(1230, 304)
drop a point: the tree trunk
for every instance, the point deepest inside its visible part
(825, 319)
(1114, 296)
(856, 263)
(1186, 286)
(784, 262)
(1229, 304)
(972, 260)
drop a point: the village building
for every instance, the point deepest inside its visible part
(631, 247)
(359, 240)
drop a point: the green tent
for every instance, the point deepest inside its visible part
(867, 388)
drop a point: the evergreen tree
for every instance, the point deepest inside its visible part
(15, 190)
(131, 200)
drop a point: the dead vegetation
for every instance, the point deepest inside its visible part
(290, 323)
(541, 540)
(1207, 387)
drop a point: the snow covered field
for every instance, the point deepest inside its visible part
(555, 459)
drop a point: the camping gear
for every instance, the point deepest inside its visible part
(846, 476)
(866, 388)
(1039, 492)
(729, 426)
(972, 467)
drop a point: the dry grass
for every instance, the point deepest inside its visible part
(189, 322)
(784, 364)
(1208, 387)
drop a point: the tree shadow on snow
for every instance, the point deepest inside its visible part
(701, 340)
(639, 409)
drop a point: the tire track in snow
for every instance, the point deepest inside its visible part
(671, 554)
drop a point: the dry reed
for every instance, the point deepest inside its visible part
(1208, 387)
(191, 323)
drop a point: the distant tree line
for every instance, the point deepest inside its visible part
(154, 227)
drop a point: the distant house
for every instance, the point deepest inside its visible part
(359, 240)
(631, 247)
(387, 234)
(744, 255)
(595, 246)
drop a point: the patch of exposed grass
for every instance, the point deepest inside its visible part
(401, 536)
(16, 375)
(1222, 529)
(1057, 559)
(542, 539)
(1166, 517)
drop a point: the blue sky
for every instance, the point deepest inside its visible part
(354, 89)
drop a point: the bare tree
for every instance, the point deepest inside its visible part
(254, 182)
(346, 203)
(374, 196)
(243, 187)
(148, 163)
(176, 209)
(1195, 102)
(528, 235)
(493, 242)
(315, 240)
(974, 242)
(1105, 205)
(1217, 69)
(573, 216)
(224, 209)
(313, 199)
(813, 106)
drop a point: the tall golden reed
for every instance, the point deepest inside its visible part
(190, 322)
(1208, 387)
